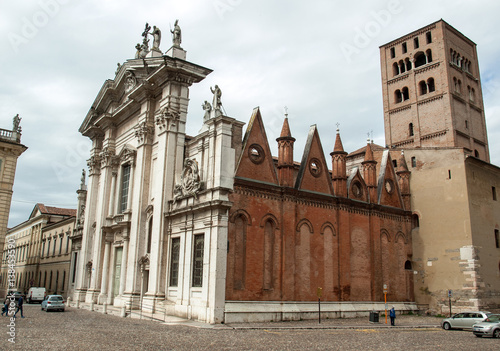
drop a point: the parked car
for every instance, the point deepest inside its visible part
(464, 320)
(36, 295)
(489, 327)
(53, 303)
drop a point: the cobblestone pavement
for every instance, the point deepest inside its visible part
(80, 329)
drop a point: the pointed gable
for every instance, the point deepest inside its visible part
(256, 161)
(356, 186)
(313, 173)
(388, 189)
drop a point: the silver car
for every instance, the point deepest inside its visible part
(53, 303)
(464, 320)
(489, 327)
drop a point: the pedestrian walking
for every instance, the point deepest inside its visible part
(5, 308)
(19, 306)
(392, 314)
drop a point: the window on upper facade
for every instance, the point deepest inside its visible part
(408, 64)
(125, 184)
(393, 53)
(395, 163)
(422, 85)
(60, 245)
(414, 162)
(415, 43)
(466, 124)
(398, 97)
(404, 48)
(428, 37)
(67, 243)
(497, 239)
(430, 85)
(420, 59)
(476, 153)
(198, 247)
(405, 93)
(48, 247)
(54, 248)
(410, 129)
(428, 55)
(395, 69)
(494, 193)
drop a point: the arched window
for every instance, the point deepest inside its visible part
(405, 93)
(420, 59)
(476, 153)
(429, 55)
(422, 87)
(415, 221)
(410, 129)
(408, 265)
(430, 85)
(408, 64)
(397, 96)
(459, 86)
(395, 69)
(402, 68)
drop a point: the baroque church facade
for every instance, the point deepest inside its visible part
(212, 227)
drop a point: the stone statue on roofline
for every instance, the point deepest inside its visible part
(156, 38)
(176, 35)
(217, 103)
(15, 123)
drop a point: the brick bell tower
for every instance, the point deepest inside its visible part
(432, 91)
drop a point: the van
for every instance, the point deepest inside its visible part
(36, 295)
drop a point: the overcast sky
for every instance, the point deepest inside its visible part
(56, 54)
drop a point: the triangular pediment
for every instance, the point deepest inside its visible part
(256, 161)
(388, 189)
(356, 186)
(313, 173)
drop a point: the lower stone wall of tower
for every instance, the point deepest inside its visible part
(271, 311)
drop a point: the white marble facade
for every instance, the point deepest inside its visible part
(156, 218)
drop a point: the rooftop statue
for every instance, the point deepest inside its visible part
(15, 123)
(176, 34)
(156, 38)
(217, 104)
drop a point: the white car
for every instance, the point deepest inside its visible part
(464, 320)
(54, 303)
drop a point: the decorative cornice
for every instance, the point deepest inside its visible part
(400, 109)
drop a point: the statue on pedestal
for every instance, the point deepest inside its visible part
(156, 38)
(15, 123)
(207, 108)
(217, 104)
(176, 35)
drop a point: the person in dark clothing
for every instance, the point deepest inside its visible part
(392, 314)
(5, 308)
(19, 306)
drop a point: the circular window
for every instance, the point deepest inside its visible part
(315, 167)
(356, 189)
(389, 186)
(256, 154)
